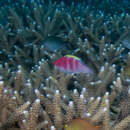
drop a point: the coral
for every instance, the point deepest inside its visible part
(35, 95)
(55, 110)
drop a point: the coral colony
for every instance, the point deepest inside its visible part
(43, 83)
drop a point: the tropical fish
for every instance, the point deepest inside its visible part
(54, 44)
(126, 41)
(72, 64)
(127, 71)
(81, 124)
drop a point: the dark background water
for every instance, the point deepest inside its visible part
(107, 6)
(125, 3)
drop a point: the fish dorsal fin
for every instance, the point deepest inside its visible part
(72, 56)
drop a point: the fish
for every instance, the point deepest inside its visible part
(54, 44)
(81, 124)
(72, 64)
(127, 71)
(126, 41)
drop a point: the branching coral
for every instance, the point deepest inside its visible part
(35, 95)
(57, 111)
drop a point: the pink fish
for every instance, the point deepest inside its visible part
(72, 64)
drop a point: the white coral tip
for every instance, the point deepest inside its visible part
(105, 109)
(75, 91)
(88, 114)
(81, 96)
(28, 102)
(1, 83)
(98, 98)
(36, 91)
(57, 91)
(52, 128)
(107, 93)
(37, 100)
(92, 98)
(71, 103)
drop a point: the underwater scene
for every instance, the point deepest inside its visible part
(64, 64)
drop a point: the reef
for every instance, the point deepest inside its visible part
(35, 95)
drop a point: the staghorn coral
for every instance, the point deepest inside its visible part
(34, 95)
(55, 111)
(28, 24)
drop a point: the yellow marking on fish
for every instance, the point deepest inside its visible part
(72, 56)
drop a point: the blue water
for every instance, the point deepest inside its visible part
(99, 4)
